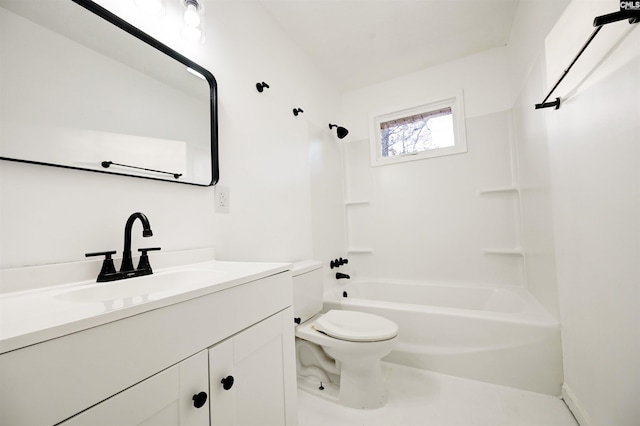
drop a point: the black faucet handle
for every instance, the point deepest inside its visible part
(108, 254)
(145, 250)
(144, 265)
(108, 267)
(338, 263)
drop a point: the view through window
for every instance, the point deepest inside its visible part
(430, 130)
(417, 133)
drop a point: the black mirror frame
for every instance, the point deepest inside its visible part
(124, 25)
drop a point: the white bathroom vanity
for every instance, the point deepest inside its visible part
(198, 344)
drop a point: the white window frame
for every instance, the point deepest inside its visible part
(455, 102)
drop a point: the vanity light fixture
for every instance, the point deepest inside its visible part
(191, 17)
(152, 7)
(193, 13)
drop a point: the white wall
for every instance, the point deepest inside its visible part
(581, 165)
(326, 155)
(534, 20)
(425, 218)
(53, 215)
(530, 139)
(595, 171)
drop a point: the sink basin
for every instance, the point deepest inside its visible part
(168, 282)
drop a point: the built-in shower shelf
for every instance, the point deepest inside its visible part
(356, 202)
(515, 251)
(497, 189)
(360, 250)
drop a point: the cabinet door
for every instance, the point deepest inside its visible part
(261, 360)
(166, 398)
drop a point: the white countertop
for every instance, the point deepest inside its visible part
(33, 316)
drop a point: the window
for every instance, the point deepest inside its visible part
(429, 130)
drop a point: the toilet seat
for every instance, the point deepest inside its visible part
(356, 326)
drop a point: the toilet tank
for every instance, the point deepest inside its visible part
(308, 289)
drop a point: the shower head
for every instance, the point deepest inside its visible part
(342, 132)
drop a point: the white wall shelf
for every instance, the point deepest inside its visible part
(355, 202)
(515, 251)
(508, 190)
(497, 189)
(360, 250)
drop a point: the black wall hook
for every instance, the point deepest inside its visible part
(260, 86)
(297, 111)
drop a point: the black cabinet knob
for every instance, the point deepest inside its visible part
(199, 399)
(297, 320)
(227, 382)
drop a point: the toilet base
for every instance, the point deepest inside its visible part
(329, 391)
(362, 386)
(369, 394)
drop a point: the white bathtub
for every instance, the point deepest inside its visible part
(494, 334)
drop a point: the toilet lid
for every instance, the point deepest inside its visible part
(356, 326)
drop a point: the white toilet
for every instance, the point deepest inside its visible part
(338, 353)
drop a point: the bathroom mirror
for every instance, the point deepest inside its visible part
(81, 88)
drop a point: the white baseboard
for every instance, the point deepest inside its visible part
(576, 409)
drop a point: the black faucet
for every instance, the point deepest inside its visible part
(340, 275)
(108, 272)
(127, 263)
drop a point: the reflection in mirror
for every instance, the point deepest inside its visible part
(91, 96)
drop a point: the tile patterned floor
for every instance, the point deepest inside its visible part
(421, 398)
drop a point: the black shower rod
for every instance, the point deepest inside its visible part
(632, 15)
(107, 164)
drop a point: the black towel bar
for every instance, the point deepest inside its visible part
(107, 164)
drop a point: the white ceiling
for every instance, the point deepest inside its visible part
(361, 42)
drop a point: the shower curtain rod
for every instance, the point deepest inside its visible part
(632, 15)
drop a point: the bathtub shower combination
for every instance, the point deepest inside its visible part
(499, 335)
